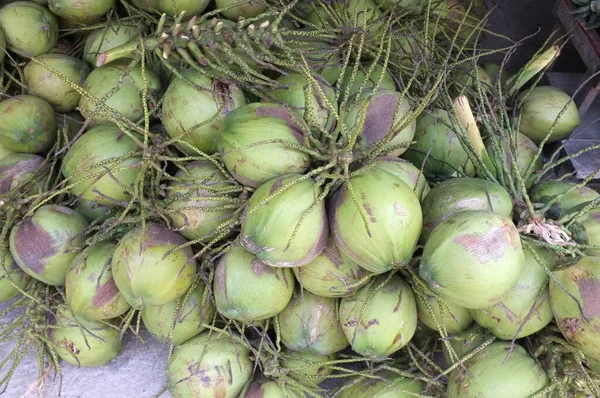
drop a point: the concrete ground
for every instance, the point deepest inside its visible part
(139, 370)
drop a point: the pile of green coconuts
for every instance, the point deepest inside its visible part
(298, 198)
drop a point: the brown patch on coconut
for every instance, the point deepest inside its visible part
(590, 295)
(570, 327)
(255, 390)
(487, 246)
(33, 245)
(258, 268)
(281, 112)
(379, 117)
(105, 293)
(10, 172)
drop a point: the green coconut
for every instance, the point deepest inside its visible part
(28, 28)
(407, 172)
(253, 164)
(105, 39)
(12, 278)
(385, 384)
(209, 365)
(384, 113)
(194, 218)
(438, 146)
(493, 373)
(380, 318)
(463, 194)
(523, 150)
(546, 191)
(175, 7)
(91, 210)
(69, 125)
(586, 228)
(237, 275)
(45, 244)
(577, 313)
(86, 162)
(83, 11)
(310, 324)
(148, 267)
(266, 388)
(469, 77)
(436, 313)
(250, 9)
(293, 94)
(18, 171)
(119, 89)
(2, 46)
(48, 86)
(323, 58)
(192, 111)
(332, 273)
(392, 214)
(81, 342)
(526, 308)
(185, 318)
(90, 289)
(539, 111)
(412, 7)
(494, 71)
(473, 259)
(289, 230)
(365, 81)
(306, 367)
(28, 124)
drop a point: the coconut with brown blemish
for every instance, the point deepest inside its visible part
(12, 278)
(256, 144)
(380, 318)
(149, 268)
(18, 170)
(45, 244)
(473, 259)
(29, 28)
(332, 273)
(90, 289)
(291, 228)
(196, 113)
(387, 236)
(179, 320)
(190, 205)
(81, 342)
(310, 324)
(580, 324)
(237, 276)
(210, 365)
(385, 112)
(456, 195)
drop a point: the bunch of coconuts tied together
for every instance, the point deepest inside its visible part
(307, 198)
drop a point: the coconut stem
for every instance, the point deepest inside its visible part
(533, 67)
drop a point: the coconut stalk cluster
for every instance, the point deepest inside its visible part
(288, 194)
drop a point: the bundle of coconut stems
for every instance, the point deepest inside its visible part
(298, 198)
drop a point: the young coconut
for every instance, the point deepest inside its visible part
(148, 267)
(12, 278)
(332, 273)
(310, 324)
(266, 388)
(385, 384)
(361, 82)
(45, 244)
(460, 194)
(175, 7)
(250, 9)
(28, 124)
(28, 28)
(438, 147)
(92, 344)
(90, 289)
(105, 39)
(405, 171)
(577, 313)
(480, 247)
(307, 368)
(83, 11)
(210, 365)
(526, 308)
(524, 153)
(283, 224)
(382, 233)
(412, 7)
(539, 111)
(237, 275)
(91, 210)
(494, 372)
(86, 162)
(386, 111)
(190, 207)
(46, 85)
(245, 148)
(380, 318)
(196, 113)
(436, 313)
(194, 309)
(17, 170)
(2, 46)
(545, 192)
(120, 89)
(586, 228)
